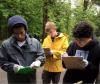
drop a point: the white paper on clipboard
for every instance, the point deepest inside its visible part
(73, 62)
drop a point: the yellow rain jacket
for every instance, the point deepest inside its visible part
(58, 46)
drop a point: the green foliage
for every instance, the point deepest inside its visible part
(59, 11)
(31, 10)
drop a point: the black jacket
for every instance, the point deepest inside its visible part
(91, 52)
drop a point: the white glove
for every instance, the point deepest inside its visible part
(85, 62)
(64, 55)
(35, 64)
(51, 51)
(17, 67)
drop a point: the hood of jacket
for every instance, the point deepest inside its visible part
(12, 21)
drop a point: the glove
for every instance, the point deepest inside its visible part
(35, 64)
(85, 62)
(22, 70)
(16, 68)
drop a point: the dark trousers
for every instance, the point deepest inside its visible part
(47, 77)
(21, 79)
(73, 76)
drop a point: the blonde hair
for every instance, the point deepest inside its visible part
(50, 25)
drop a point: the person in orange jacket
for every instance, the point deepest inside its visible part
(57, 43)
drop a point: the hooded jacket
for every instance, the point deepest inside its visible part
(12, 21)
(11, 53)
(58, 46)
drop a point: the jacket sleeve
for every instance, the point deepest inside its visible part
(5, 64)
(40, 53)
(93, 65)
(57, 53)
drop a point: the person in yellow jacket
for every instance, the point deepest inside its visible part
(56, 43)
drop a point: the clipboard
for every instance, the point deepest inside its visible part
(73, 62)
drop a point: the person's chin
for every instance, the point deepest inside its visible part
(81, 46)
(20, 40)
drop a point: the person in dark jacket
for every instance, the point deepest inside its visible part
(20, 55)
(86, 46)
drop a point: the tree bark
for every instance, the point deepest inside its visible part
(45, 17)
(86, 2)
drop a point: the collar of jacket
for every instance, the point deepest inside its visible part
(28, 45)
(59, 36)
(28, 40)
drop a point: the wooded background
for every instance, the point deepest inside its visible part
(65, 13)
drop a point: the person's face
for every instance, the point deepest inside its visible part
(19, 33)
(81, 42)
(52, 32)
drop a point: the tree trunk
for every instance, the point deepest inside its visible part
(45, 17)
(86, 2)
